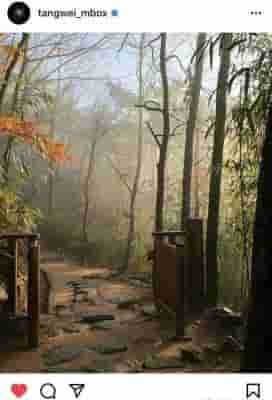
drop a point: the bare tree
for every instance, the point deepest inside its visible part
(100, 129)
(216, 171)
(165, 137)
(135, 185)
(52, 169)
(163, 142)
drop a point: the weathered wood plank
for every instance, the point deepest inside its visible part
(34, 294)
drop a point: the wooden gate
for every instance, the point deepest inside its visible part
(178, 272)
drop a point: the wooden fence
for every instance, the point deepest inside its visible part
(178, 272)
(23, 301)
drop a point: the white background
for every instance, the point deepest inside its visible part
(150, 16)
(141, 387)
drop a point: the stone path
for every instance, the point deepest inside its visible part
(114, 328)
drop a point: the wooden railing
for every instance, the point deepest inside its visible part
(178, 272)
(9, 268)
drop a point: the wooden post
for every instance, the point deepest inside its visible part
(154, 272)
(195, 264)
(171, 239)
(12, 276)
(180, 295)
(34, 293)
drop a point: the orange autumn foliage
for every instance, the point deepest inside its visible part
(27, 131)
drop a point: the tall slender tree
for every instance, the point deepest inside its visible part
(216, 171)
(100, 128)
(196, 175)
(53, 119)
(136, 181)
(163, 146)
(190, 129)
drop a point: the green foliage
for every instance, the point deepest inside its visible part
(15, 214)
(252, 80)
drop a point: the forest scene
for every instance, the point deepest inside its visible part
(135, 192)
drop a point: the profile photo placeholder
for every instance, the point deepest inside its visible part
(18, 13)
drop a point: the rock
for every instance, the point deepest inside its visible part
(110, 349)
(158, 362)
(54, 332)
(141, 276)
(103, 325)
(230, 344)
(51, 330)
(149, 310)
(211, 349)
(139, 284)
(78, 286)
(224, 314)
(94, 370)
(158, 343)
(127, 303)
(97, 366)
(215, 324)
(191, 354)
(83, 292)
(91, 302)
(134, 366)
(175, 338)
(59, 309)
(62, 354)
(91, 318)
(70, 329)
(61, 370)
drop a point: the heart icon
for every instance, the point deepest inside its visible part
(19, 389)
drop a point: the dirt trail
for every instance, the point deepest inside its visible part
(125, 343)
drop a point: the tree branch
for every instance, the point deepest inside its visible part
(187, 72)
(153, 133)
(174, 130)
(120, 175)
(149, 107)
(123, 43)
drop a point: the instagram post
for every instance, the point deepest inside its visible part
(135, 200)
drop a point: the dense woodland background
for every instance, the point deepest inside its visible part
(108, 137)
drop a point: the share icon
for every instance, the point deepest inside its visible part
(77, 389)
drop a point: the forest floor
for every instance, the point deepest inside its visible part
(113, 327)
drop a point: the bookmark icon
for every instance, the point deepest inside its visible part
(77, 389)
(253, 390)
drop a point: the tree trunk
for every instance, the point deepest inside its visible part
(190, 129)
(216, 172)
(165, 138)
(196, 176)
(135, 186)
(51, 180)
(10, 68)
(15, 109)
(86, 194)
(258, 344)
(51, 173)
